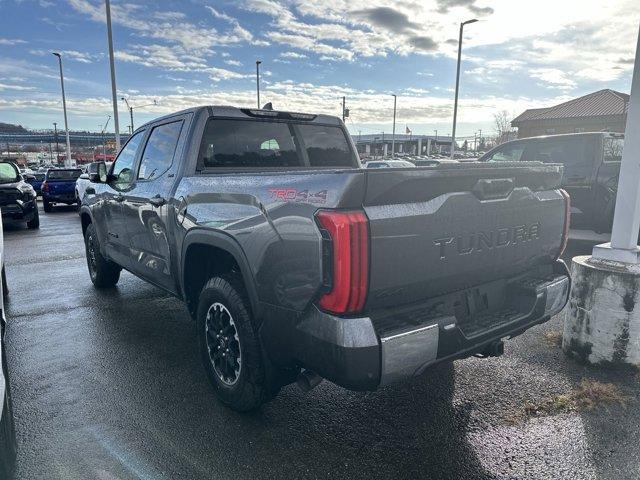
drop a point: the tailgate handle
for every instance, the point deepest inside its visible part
(493, 188)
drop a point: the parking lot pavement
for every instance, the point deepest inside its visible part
(108, 385)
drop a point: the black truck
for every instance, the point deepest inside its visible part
(591, 168)
(298, 264)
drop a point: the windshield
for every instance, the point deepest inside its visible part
(63, 174)
(8, 173)
(259, 143)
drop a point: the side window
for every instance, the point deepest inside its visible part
(569, 152)
(122, 167)
(613, 149)
(159, 150)
(270, 145)
(508, 153)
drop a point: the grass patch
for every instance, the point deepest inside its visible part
(553, 338)
(590, 394)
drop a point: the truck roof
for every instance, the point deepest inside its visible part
(247, 112)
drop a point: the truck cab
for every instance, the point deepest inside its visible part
(591, 168)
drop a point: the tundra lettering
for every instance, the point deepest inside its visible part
(476, 242)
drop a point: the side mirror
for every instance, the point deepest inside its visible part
(98, 173)
(84, 176)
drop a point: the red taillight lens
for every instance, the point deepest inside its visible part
(349, 260)
(567, 221)
(44, 187)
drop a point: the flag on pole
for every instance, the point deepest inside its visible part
(407, 131)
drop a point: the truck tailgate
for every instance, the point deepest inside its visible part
(444, 229)
(61, 187)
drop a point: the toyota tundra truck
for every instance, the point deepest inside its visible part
(298, 264)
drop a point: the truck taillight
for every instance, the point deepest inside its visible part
(567, 221)
(346, 258)
(44, 187)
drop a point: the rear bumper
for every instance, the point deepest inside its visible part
(67, 198)
(19, 211)
(363, 353)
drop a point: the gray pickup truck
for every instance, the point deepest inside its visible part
(298, 264)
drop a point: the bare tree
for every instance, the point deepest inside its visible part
(502, 126)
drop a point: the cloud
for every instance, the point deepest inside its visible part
(425, 44)
(386, 18)
(5, 86)
(171, 27)
(11, 41)
(234, 63)
(82, 57)
(292, 55)
(554, 77)
(445, 5)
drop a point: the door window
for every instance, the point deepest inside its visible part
(569, 152)
(613, 149)
(508, 153)
(122, 168)
(159, 151)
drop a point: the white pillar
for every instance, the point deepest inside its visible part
(419, 146)
(384, 150)
(626, 220)
(602, 322)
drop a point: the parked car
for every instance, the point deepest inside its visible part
(389, 164)
(83, 180)
(591, 169)
(17, 197)
(35, 180)
(59, 186)
(7, 430)
(293, 258)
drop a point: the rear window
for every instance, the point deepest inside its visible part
(63, 174)
(269, 144)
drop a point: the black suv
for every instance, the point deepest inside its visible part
(591, 169)
(17, 197)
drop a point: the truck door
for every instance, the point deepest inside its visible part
(146, 204)
(577, 154)
(120, 180)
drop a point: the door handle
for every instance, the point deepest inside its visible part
(157, 201)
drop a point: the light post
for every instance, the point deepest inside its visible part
(67, 162)
(112, 66)
(55, 135)
(393, 132)
(130, 108)
(258, 62)
(455, 103)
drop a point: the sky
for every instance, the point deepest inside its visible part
(520, 54)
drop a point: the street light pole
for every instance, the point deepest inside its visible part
(112, 65)
(258, 62)
(67, 162)
(55, 135)
(344, 100)
(130, 108)
(393, 132)
(455, 103)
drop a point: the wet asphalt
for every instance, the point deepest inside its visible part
(108, 385)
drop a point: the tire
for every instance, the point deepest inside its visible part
(35, 221)
(5, 286)
(103, 272)
(223, 307)
(7, 437)
(46, 206)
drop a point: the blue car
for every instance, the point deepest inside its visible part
(35, 180)
(59, 186)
